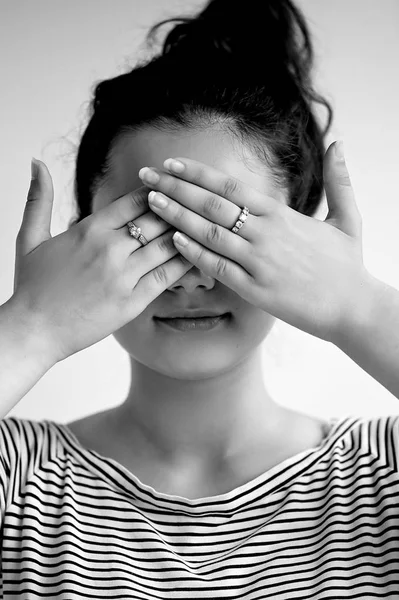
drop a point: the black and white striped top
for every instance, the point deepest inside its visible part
(321, 524)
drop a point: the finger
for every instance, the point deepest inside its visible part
(210, 235)
(215, 265)
(343, 211)
(118, 212)
(224, 185)
(151, 256)
(209, 205)
(36, 221)
(151, 285)
(151, 227)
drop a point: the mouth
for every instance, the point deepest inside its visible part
(195, 323)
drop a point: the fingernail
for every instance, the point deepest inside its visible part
(157, 199)
(149, 175)
(339, 150)
(180, 239)
(174, 165)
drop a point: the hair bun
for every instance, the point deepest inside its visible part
(196, 36)
(257, 38)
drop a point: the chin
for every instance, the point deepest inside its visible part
(192, 364)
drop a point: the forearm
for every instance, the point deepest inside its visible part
(371, 339)
(23, 355)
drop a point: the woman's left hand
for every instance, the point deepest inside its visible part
(306, 272)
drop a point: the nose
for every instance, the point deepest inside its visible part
(193, 279)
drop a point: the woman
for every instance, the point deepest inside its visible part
(199, 485)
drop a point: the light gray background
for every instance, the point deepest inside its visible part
(53, 52)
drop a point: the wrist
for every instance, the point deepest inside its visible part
(358, 314)
(29, 331)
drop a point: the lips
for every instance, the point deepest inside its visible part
(194, 324)
(193, 314)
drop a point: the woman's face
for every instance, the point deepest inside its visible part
(194, 354)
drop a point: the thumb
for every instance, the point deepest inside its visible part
(343, 212)
(36, 220)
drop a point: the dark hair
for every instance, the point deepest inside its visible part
(245, 66)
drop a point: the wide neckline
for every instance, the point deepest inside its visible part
(269, 481)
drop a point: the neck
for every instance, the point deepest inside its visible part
(197, 422)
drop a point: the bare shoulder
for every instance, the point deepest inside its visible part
(89, 430)
(305, 431)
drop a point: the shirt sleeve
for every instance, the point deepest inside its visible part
(21, 447)
(382, 436)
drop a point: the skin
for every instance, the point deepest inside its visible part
(198, 405)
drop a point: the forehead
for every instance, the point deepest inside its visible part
(149, 147)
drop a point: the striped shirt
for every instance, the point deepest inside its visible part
(321, 524)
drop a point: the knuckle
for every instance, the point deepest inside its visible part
(86, 229)
(344, 180)
(33, 191)
(198, 175)
(160, 275)
(110, 254)
(230, 187)
(138, 198)
(279, 214)
(173, 187)
(33, 195)
(212, 205)
(213, 233)
(221, 267)
(179, 211)
(165, 243)
(87, 235)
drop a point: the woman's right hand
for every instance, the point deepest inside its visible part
(85, 283)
